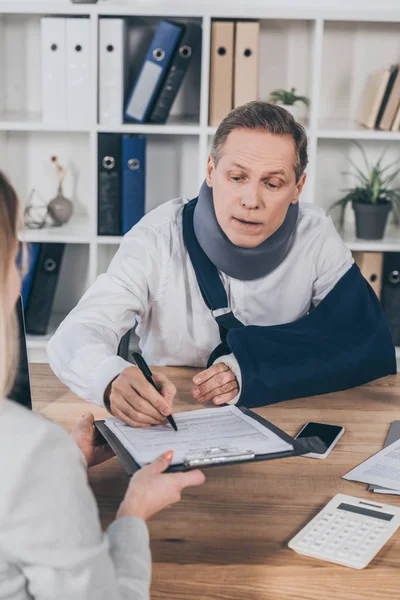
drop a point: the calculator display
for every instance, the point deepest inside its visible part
(366, 511)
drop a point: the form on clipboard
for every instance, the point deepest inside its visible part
(205, 437)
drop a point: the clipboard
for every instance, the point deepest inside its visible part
(216, 457)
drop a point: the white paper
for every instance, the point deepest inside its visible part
(381, 469)
(198, 430)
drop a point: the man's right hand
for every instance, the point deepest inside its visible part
(135, 401)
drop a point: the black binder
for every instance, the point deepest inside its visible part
(222, 456)
(38, 311)
(109, 184)
(189, 43)
(391, 294)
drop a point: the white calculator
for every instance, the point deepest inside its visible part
(348, 531)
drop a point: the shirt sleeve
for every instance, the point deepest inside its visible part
(333, 260)
(83, 351)
(52, 531)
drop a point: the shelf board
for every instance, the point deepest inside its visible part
(351, 130)
(77, 231)
(174, 126)
(24, 121)
(40, 341)
(45, 8)
(390, 243)
(109, 239)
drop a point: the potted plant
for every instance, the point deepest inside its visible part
(287, 100)
(372, 197)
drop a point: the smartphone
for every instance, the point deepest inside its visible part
(329, 434)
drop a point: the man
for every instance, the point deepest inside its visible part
(303, 320)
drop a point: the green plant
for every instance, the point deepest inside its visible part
(287, 97)
(373, 185)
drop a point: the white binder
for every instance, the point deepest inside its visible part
(53, 53)
(111, 71)
(78, 72)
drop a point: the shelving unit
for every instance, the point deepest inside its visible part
(325, 54)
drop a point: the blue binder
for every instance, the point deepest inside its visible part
(33, 253)
(133, 180)
(153, 71)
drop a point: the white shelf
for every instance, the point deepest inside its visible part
(77, 231)
(348, 130)
(45, 8)
(326, 54)
(390, 243)
(22, 121)
(109, 239)
(39, 342)
(174, 126)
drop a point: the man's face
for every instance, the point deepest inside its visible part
(253, 185)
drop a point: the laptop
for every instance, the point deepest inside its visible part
(21, 391)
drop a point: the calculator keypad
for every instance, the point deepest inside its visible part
(343, 537)
(336, 535)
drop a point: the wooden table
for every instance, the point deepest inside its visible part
(227, 540)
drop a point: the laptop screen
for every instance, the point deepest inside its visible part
(21, 391)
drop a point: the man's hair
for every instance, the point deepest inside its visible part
(261, 116)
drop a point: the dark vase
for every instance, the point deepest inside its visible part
(371, 219)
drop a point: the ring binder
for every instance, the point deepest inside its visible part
(217, 455)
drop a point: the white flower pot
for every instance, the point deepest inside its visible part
(292, 108)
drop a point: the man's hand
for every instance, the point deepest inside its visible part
(217, 383)
(89, 440)
(136, 402)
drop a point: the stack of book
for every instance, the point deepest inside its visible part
(381, 103)
(160, 76)
(234, 68)
(121, 182)
(39, 284)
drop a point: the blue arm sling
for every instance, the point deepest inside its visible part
(342, 343)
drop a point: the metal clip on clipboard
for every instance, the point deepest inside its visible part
(218, 454)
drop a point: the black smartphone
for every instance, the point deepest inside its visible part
(329, 434)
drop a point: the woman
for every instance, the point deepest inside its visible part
(51, 544)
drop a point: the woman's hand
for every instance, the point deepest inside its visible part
(90, 441)
(150, 489)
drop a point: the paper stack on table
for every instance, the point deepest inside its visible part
(382, 470)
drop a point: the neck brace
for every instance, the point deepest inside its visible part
(241, 263)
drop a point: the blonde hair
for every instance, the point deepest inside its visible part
(8, 326)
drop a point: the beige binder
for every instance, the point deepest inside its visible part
(390, 111)
(246, 62)
(221, 70)
(396, 122)
(374, 96)
(371, 265)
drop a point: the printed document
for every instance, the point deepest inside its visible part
(381, 469)
(198, 431)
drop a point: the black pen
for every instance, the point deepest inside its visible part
(141, 363)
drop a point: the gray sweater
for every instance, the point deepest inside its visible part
(51, 543)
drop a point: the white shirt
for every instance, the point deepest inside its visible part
(151, 281)
(51, 543)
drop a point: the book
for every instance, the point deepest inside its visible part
(133, 180)
(246, 73)
(153, 70)
(221, 71)
(38, 311)
(373, 99)
(392, 105)
(392, 77)
(189, 44)
(109, 184)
